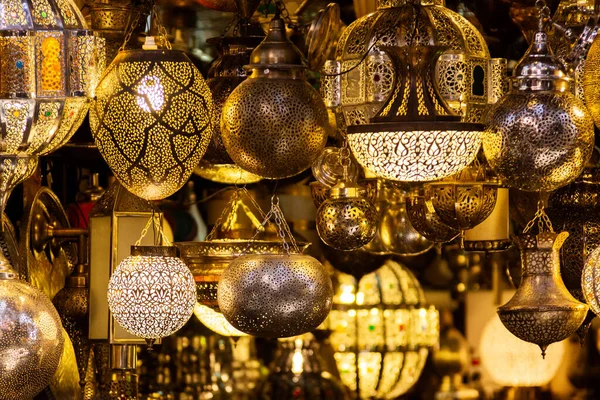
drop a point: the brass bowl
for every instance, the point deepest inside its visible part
(207, 261)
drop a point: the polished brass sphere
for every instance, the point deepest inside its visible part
(346, 221)
(275, 295)
(274, 124)
(31, 340)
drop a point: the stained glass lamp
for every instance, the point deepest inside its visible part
(381, 331)
(415, 137)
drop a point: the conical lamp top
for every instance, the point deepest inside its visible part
(246, 8)
(277, 51)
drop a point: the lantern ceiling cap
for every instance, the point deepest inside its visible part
(539, 69)
(6, 270)
(344, 189)
(277, 51)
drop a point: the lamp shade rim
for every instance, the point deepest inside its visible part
(415, 126)
(155, 251)
(159, 55)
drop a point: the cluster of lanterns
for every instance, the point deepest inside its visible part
(152, 118)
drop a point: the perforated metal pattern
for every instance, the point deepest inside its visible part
(590, 281)
(426, 221)
(275, 295)
(31, 340)
(151, 296)
(274, 128)
(151, 120)
(538, 141)
(347, 223)
(591, 81)
(462, 205)
(415, 156)
(542, 311)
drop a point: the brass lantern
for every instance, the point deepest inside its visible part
(381, 333)
(539, 135)
(274, 124)
(464, 74)
(542, 311)
(415, 137)
(151, 119)
(424, 219)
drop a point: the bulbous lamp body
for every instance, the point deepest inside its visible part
(274, 124)
(539, 135)
(275, 295)
(346, 221)
(31, 340)
(152, 293)
(151, 120)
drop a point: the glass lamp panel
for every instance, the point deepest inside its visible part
(346, 363)
(389, 286)
(414, 361)
(18, 64)
(17, 116)
(369, 367)
(370, 329)
(45, 125)
(43, 15)
(397, 325)
(343, 327)
(70, 14)
(83, 68)
(392, 364)
(13, 16)
(409, 287)
(368, 291)
(50, 63)
(73, 112)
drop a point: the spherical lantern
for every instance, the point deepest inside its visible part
(274, 124)
(590, 81)
(424, 219)
(381, 331)
(539, 135)
(152, 120)
(346, 221)
(463, 71)
(275, 295)
(152, 293)
(31, 339)
(513, 362)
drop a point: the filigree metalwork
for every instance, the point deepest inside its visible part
(151, 120)
(590, 281)
(275, 295)
(152, 293)
(425, 220)
(542, 311)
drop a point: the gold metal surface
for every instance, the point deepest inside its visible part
(275, 295)
(542, 311)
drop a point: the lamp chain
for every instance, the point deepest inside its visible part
(542, 219)
(158, 228)
(544, 15)
(345, 159)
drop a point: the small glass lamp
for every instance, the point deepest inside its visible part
(415, 137)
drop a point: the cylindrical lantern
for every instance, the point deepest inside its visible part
(274, 124)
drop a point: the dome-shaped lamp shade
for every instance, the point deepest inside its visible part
(151, 120)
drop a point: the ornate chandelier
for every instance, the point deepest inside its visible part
(415, 137)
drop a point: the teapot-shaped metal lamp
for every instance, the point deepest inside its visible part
(542, 311)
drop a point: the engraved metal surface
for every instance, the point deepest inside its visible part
(425, 220)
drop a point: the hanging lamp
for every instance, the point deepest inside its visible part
(415, 137)
(151, 118)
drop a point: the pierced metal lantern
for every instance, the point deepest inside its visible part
(381, 333)
(275, 295)
(215, 321)
(152, 293)
(590, 281)
(31, 339)
(274, 124)
(463, 201)
(542, 311)
(425, 220)
(416, 136)
(225, 74)
(539, 135)
(151, 120)
(320, 191)
(346, 220)
(328, 169)
(463, 72)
